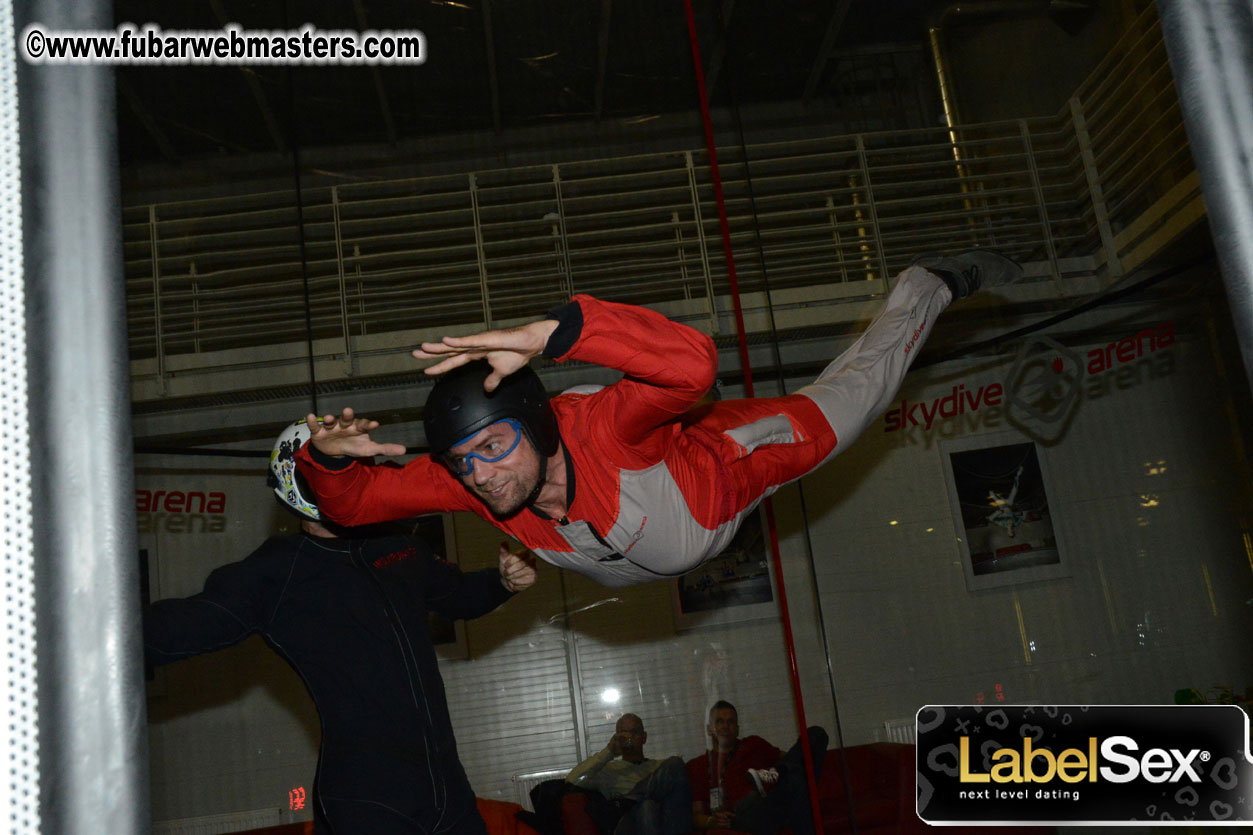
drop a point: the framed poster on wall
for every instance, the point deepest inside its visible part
(735, 586)
(998, 486)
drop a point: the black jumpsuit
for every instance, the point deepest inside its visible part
(350, 616)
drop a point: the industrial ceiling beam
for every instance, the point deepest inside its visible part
(490, 45)
(897, 48)
(606, 10)
(250, 78)
(384, 106)
(834, 25)
(145, 118)
(719, 53)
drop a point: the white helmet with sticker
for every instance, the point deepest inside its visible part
(288, 484)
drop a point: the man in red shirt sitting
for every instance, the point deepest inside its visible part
(748, 784)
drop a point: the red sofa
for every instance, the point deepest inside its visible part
(881, 776)
(501, 818)
(882, 779)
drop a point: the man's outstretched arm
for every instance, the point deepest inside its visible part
(350, 493)
(668, 366)
(234, 603)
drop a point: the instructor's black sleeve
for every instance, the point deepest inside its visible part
(456, 595)
(238, 599)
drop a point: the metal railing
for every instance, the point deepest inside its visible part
(500, 245)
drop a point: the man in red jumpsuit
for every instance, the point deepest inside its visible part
(616, 484)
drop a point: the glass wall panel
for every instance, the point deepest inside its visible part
(1052, 508)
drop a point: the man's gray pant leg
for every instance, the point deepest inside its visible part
(860, 383)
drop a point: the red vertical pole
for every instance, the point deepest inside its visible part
(718, 200)
(797, 697)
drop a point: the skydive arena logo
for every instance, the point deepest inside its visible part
(1070, 765)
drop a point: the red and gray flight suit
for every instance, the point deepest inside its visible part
(655, 495)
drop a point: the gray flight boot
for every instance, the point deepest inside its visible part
(969, 271)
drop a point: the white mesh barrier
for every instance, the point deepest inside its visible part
(19, 750)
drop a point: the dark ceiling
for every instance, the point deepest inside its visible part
(493, 65)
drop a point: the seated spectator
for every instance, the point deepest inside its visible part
(748, 784)
(629, 794)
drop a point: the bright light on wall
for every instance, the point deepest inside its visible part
(610, 696)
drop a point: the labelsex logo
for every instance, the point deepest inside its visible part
(1040, 765)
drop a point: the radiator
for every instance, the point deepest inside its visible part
(523, 783)
(215, 824)
(900, 730)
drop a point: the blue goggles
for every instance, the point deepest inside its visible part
(492, 452)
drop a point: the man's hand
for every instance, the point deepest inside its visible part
(720, 820)
(517, 571)
(614, 747)
(505, 350)
(347, 435)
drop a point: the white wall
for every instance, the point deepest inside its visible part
(234, 730)
(1157, 598)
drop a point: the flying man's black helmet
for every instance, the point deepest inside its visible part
(458, 407)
